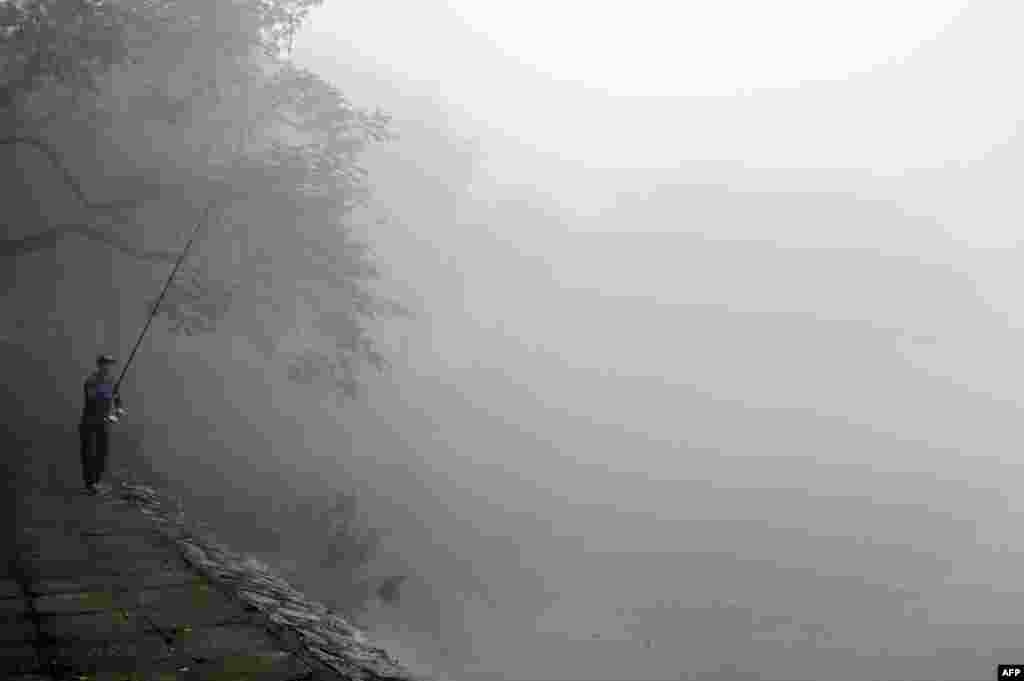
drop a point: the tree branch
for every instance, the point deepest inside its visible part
(69, 179)
(49, 239)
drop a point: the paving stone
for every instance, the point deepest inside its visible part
(277, 666)
(12, 607)
(36, 544)
(109, 624)
(173, 620)
(219, 641)
(27, 545)
(125, 562)
(122, 655)
(191, 606)
(29, 532)
(108, 513)
(198, 595)
(92, 530)
(240, 668)
(125, 565)
(114, 582)
(57, 549)
(97, 600)
(120, 544)
(19, 658)
(9, 588)
(151, 672)
(120, 668)
(15, 630)
(110, 555)
(59, 586)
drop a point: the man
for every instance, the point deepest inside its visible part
(94, 429)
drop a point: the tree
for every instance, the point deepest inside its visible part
(352, 542)
(197, 101)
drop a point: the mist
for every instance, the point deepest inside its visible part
(744, 395)
(710, 373)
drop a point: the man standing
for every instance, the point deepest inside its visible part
(94, 430)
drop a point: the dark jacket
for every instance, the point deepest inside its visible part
(100, 399)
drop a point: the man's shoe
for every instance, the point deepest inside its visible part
(102, 488)
(91, 490)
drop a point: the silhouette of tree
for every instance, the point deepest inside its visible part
(198, 101)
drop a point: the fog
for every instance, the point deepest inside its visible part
(713, 371)
(754, 352)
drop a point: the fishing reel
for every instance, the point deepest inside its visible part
(115, 415)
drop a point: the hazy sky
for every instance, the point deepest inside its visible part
(699, 49)
(722, 303)
(879, 85)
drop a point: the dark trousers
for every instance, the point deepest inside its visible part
(95, 439)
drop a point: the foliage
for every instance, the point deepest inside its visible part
(334, 545)
(197, 100)
(351, 542)
(69, 42)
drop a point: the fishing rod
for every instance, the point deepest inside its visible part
(115, 416)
